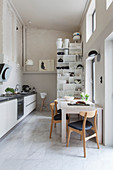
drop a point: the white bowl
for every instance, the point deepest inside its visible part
(76, 33)
(67, 74)
(62, 81)
(76, 37)
(69, 98)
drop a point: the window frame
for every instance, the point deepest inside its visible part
(93, 21)
(108, 4)
(93, 80)
(90, 20)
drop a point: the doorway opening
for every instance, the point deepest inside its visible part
(108, 117)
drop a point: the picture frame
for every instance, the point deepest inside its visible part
(46, 65)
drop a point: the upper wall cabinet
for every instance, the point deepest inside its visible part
(12, 36)
(8, 34)
(18, 43)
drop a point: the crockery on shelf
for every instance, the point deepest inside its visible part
(60, 60)
(59, 43)
(68, 98)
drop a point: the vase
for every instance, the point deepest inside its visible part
(59, 43)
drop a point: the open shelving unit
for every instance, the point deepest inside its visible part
(70, 74)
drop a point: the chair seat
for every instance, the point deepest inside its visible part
(58, 117)
(78, 125)
(59, 111)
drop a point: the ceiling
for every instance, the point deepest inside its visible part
(63, 15)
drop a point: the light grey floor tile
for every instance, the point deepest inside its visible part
(30, 165)
(28, 147)
(10, 164)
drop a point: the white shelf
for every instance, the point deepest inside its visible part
(73, 84)
(74, 48)
(71, 69)
(74, 55)
(54, 72)
(62, 76)
(67, 62)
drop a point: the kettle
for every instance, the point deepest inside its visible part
(26, 88)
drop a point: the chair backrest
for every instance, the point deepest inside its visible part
(90, 114)
(52, 109)
(56, 102)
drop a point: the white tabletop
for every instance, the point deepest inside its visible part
(63, 104)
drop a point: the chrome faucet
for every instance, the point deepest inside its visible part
(17, 88)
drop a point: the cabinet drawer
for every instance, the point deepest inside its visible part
(29, 99)
(29, 108)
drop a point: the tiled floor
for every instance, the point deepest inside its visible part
(28, 147)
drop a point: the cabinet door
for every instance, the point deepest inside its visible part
(8, 116)
(3, 118)
(9, 34)
(18, 42)
(11, 113)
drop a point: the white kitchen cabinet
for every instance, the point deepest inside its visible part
(12, 35)
(29, 104)
(12, 113)
(18, 42)
(3, 118)
(8, 112)
(8, 116)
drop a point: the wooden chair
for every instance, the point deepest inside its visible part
(82, 126)
(56, 118)
(57, 111)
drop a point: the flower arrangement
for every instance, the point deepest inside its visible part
(84, 96)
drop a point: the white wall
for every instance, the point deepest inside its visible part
(10, 44)
(104, 28)
(42, 83)
(1, 30)
(41, 44)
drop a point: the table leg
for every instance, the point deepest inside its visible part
(100, 124)
(63, 126)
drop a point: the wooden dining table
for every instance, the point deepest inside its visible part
(76, 109)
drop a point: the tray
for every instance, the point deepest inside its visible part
(71, 104)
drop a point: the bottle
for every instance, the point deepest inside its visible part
(33, 90)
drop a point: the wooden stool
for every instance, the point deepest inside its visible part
(43, 104)
(43, 97)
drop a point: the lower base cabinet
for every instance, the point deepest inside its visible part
(8, 116)
(8, 112)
